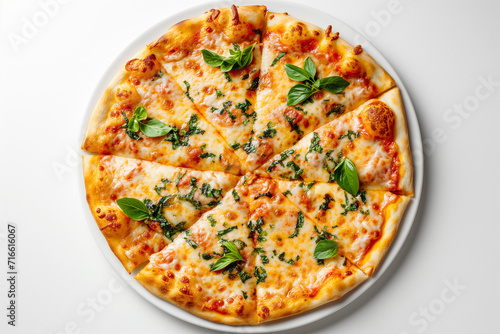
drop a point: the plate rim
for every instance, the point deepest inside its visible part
(348, 33)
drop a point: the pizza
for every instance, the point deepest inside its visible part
(249, 166)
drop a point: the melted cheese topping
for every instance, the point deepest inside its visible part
(180, 273)
(295, 281)
(146, 84)
(356, 230)
(109, 178)
(215, 94)
(353, 136)
(332, 57)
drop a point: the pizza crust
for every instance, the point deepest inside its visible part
(374, 257)
(393, 99)
(92, 139)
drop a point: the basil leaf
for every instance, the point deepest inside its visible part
(298, 94)
(346, 176)
(155, 128)
(212, 58)
(333, 84)
(310, 68)
(133, 124)
(246, 57)
(133, 208)
(325, 249)
(227, 65)
(296, 73)
(228, 258)
(140, 113)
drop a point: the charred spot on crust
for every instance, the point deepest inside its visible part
(214, 15)
(141, 65)
(328, 30)
(265, 311)
(379, 120)
(236, 16)
(357, 49)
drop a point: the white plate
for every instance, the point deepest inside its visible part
(321, 19)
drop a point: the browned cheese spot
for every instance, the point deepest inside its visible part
(379, 120)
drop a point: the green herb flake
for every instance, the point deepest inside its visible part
(158, 188)
(212, 221)
(226, 231)
(297, 171)
(207, 155)
(235, 146)
(191, 242)
(347, 206)
(278, 57)
(249, 147)
(207, 256)
(188, 86)
(208, 191)
(325, 206)
(266, 194)
(254, 85)
(235, 195)
(260, 274)
(298, 226)
(351, 135)
(244, 276)
(315, 146)
(294, 126)
(336, 109)
(270, 132)
(283, 157)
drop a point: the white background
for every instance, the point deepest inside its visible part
(443, 51)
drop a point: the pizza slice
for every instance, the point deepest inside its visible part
(296, 267)
(216, 58)
(209, 269)
(141, 206)
(309, 76)
(372, 140)
(363, 225)
(145, 114)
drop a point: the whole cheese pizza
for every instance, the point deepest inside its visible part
(249, 166)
